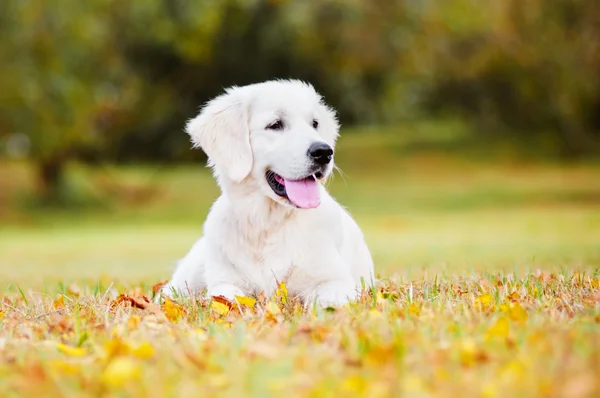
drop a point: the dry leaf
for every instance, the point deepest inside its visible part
(120, 371)
(71, 351)
(514, 296)
(158, 287)
(59, 302)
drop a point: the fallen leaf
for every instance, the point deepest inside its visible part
(71, 351)
(484, 302)
(354, 383)
(63, 367)
(133, 322)
(136, 302)
(116, 347)
(414, 310)
(246, 301)
(59, 302)
(517, 313)
(272, 312)
(143, 351)
(156, 288)
(282, 292)
(120, 371)
(172, 310)
(514, 296)
(219, 308)
(499, 330)
(74, 290)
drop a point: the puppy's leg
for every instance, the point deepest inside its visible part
(336, 293)
(189, 275)
(222, 277)
(226, 290)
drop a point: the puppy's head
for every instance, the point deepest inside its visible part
(278, 135)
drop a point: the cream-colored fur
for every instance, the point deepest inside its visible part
(254, 238)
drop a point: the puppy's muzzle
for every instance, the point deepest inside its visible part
(320, 153)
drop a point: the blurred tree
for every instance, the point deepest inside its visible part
(64, 82)
(117, 80)
(527, 68)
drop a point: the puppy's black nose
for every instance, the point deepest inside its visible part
(320, 153)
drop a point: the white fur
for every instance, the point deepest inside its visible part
(253, 238)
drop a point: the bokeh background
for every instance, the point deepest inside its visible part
(470, 140)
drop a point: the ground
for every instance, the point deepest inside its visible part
(489, 286)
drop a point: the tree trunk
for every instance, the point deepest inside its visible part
(50, 177)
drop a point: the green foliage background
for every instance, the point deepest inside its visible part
(107, 80)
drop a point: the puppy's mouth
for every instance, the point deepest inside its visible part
(303, 193)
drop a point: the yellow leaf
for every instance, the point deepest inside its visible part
(173, 311)
(513, 370)
(133, 322)
(116, 347)
(219, 308)
(273, 308)
(414, 310)
(120, 371)
(64, 367)
(2, 314)
(484, 302)
(71, 351)
(144, 350)
(59, 302)
(282, 292)
(355, 383)
(272, 311)
(517, 313)
(499, 329)
(246, 301)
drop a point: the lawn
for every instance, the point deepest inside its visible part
(489, 265)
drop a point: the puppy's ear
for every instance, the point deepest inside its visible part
(221, 130)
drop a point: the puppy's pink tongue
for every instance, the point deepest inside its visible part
(303, 193)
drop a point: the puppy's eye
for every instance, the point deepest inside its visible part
(277, 125)
(315, 124)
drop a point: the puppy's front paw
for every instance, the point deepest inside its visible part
(225, 290)
(336, 294)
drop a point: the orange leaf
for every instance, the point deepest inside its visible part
(142, 302)
(514, 296)
(59, 302)
(156, 288)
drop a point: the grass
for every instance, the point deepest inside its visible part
(490, 286)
